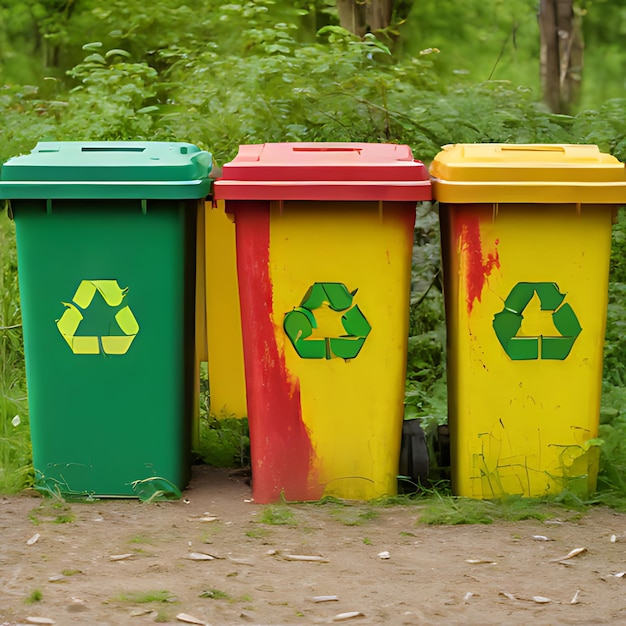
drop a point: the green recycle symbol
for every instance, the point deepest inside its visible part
(300, 322)
(508, 322)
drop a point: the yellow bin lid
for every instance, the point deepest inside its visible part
(546, 173)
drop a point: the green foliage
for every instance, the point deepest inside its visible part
(113, 99)
(34, 596)
(15, 468)
(145, 597)
(618, 247)
(450, 510)
(353, 515)
(277, 515)
(54, 511)
(224, 441)
(215, 594)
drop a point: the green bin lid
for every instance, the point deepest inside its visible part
(146, 170)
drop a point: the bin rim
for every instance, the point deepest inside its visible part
(108, 170)
(324, 171)
(518, 173)
(113, 190)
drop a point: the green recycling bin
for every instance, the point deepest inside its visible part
(106, 263)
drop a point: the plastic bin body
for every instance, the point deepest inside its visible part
(227, 387)
(526, 237)
(324, 240)
(106, 273)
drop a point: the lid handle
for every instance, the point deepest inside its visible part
(533, 148)
(325, 149)
(110, 149)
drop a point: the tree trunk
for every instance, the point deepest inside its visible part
(362, 16)
(561, 54)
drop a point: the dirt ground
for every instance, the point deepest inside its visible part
(118, 562)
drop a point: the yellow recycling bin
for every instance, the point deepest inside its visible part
(526, 238)
(218, 317)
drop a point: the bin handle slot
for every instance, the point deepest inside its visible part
(535, 148)
(110, 149)
(325, 149)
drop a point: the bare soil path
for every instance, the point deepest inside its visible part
(124, 562)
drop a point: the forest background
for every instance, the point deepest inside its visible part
(219, 75)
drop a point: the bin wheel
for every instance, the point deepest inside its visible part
(414, 459)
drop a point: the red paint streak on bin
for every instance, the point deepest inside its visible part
(477, 268)
(281, 449)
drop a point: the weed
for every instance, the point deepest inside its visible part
(15, 453)
(70, 572)
(277, 516)
(145, 597)
(34, 596)
(141, 539)
(451, 510)
(257, 533)
(367, 541)
(353, 515)
(55, 512)
(215, 594)
(162, 617)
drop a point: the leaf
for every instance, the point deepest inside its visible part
(189, 619)
(94, 45)
(340, 617)
(571, 554)
(120, 557)
(118, 52)
(149, 109)
(302, 557)
(95, 57)
(200, 556)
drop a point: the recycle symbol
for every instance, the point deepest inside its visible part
(113, 295)
(300, 322)
(508, 322)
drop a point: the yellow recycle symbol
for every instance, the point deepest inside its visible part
(113, 295)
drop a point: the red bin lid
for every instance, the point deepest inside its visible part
(324, 171)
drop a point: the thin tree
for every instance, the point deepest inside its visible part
(561, 57)
(362, 16)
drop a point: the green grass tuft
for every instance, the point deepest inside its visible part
(34, 597)
(145, 597)
(277, 516)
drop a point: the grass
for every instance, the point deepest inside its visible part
(142, 539)
(145, 597)
(54, 511)
(451, 510)
(353, 515)
(15, 453)
(257, 533)
(215, 594)
(277, 515)
(34, 597)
